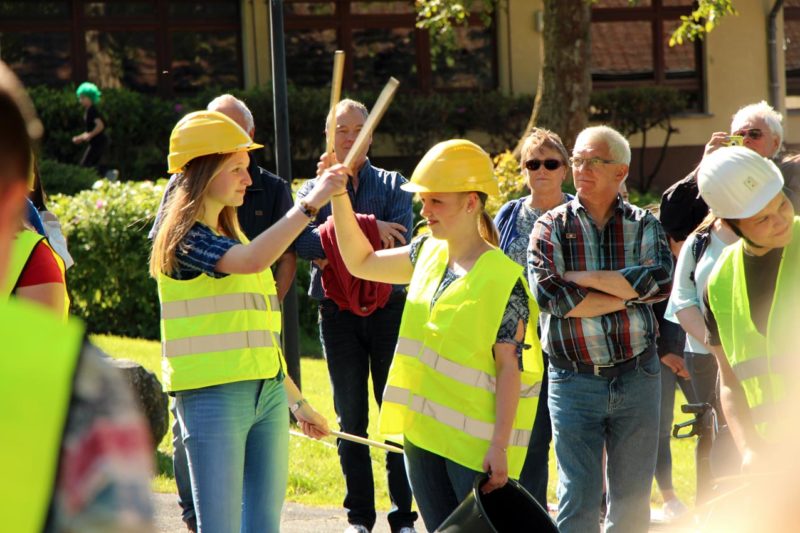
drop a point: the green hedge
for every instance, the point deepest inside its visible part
(139, 125)
(107, 228)
(63, 178)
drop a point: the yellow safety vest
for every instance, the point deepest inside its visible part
(21, 251)
(440, 393)
(219, 330)
(37, 365)
(757, 360)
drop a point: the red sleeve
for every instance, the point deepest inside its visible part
(41, 268)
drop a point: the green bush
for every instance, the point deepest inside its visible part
(139, 125)
(62, 178)
(109, 284)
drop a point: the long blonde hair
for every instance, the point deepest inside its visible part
(184, 207)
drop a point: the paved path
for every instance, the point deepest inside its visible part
(305, 519)
(296, 518)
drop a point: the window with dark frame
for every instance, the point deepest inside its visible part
(381, 39)
(791, 36)
(630, 48)
(168, 47)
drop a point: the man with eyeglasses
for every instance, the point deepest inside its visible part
(596, 264)
(761, 130)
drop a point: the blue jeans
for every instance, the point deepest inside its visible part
(535, 469)
(356, 347)
(180, 468)
(439, 484)
(621, 413)
(236, 437)
(664, 457)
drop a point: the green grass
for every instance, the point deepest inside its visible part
(314, 474)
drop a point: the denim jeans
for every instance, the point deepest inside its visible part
(535, 469)
(180, 468)
(356, 347)
(439, 484)
(589, 412)
(236, 437)
(664, 457)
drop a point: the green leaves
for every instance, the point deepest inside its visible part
(702, 20)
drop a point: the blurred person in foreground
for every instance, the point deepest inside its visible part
(751, 316)
(75, 453)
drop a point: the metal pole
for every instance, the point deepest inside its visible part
(283, 158)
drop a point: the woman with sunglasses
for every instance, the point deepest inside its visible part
(544, 165)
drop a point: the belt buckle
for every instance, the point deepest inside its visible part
(598, 368)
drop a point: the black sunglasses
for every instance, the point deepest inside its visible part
(549, 164)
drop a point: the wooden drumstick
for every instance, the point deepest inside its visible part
(336, 93)
(360, 144)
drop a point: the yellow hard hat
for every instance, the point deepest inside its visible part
(457, 165)
(205, 133)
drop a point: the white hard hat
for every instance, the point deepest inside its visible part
(736, 182)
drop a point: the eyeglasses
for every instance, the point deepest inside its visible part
(753, 133)
(591, 162)
(549, 164)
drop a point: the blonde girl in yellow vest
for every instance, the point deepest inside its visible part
(455, 396)
(220, 322)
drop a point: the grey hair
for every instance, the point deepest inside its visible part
(763, 111)
(618, 146)
(229, 99)
(345, 105)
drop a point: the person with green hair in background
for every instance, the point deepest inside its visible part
(89, 95)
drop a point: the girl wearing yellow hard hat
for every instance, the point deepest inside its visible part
(462, 390)
(220, 326)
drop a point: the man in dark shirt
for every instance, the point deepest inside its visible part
(266, 201)
(761, 129)
(358, 346)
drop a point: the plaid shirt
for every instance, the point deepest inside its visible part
(631, 243)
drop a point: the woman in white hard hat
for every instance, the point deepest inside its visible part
(752, 293)
(220, 325)
(455, 396)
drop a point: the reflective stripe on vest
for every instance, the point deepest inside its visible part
(219, 330)
(36, 375)
(440, 393)
(451, 417)
(758, 361)
(221, 342)
(464, 374)
(216, 304)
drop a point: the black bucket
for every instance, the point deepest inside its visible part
(509, 509)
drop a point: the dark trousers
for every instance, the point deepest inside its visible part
(356, 347)
(535, 469)
(92, 154)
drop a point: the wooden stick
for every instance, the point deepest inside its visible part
(336, 93)
(360, 144)
(367, 442)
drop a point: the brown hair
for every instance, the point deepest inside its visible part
(184, 207)
(18, 126)
(486, 226)
(542, 138)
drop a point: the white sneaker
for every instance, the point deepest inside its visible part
(673, 509)
(356, 528)
(407, 530)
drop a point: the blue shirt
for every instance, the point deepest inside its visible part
(378, 194)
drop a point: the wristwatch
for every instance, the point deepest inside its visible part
(308, 210)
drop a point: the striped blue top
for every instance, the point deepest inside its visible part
(378, 194)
